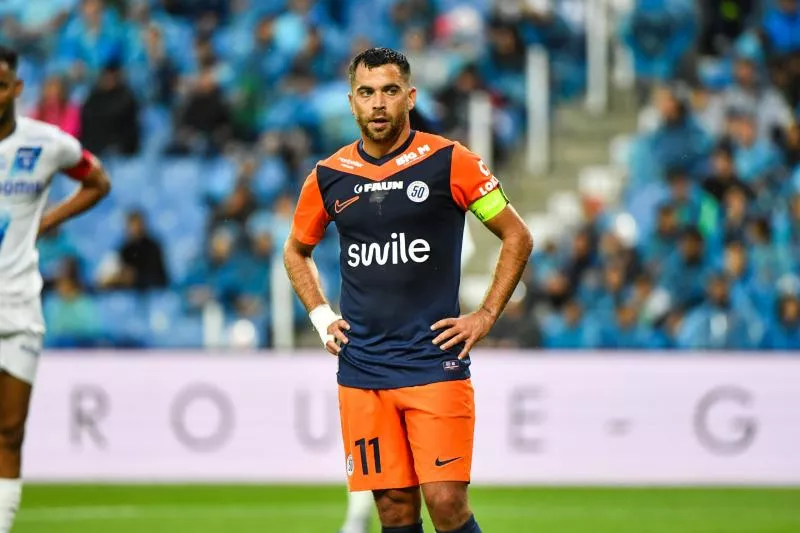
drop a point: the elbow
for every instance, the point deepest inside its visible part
(526, 242)
(104, 187)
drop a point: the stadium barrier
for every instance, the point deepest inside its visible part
(273, 417)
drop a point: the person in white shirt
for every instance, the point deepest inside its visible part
(31, 154)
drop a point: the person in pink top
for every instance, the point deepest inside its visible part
(55, 108)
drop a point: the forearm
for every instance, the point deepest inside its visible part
(304, 277)
(94, 188)
(514, 254)
(76, 204)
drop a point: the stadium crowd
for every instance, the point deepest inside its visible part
(713, 186)
(210, 113)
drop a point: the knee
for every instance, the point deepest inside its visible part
(11, 437)
(447, 505)
(397, 507)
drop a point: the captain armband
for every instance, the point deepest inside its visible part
(489, 206)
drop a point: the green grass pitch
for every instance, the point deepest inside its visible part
(319, 509)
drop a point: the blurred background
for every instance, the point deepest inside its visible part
(653, 147)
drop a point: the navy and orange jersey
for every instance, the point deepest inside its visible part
(401, 221)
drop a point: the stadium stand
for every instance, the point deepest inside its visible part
(210, 113)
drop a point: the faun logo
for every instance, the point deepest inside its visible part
(378, 186)
(395, 251)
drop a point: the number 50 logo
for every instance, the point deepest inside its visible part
(418, 191)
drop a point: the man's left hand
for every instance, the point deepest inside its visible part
(468, 329)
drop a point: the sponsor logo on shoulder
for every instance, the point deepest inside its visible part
(489, 186)
(349, 163)
(413, 155)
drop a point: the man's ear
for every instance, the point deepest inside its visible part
(412, 98)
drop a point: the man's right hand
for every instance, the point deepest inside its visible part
(337, 329)
(330, 327)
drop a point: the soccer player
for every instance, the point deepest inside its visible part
(31, 153)
(399, 198)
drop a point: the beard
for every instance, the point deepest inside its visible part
(386, 135)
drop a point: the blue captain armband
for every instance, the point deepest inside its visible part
(489, 206)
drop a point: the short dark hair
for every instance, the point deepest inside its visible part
(377, 57)
(10, 57)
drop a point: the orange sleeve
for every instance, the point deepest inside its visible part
(310, 216)
(470, 179)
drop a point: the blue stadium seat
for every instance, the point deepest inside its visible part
(181, 179)
(219, 178)
(125, 317)
(270, 179)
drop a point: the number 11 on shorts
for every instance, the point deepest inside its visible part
(376, 453)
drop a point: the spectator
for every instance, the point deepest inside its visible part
(722, 23)
(708, 109)
(678, 142)
(142, 260)
(56, 250)
(664, 240)
(235, 209)
(72, 317)
(624, 332)
(432, 65)
(784, 333)
(92, 40)
(659, 33)
(214, 276)
(454, 102)
(781, 28)
(768, 263)
(792, 147)
(754, 97)
(685, 271)
(570, 330)
(515, 328)
(110, 116)
(716, 324)
(204, 125)
(735, 216)
(693, 206)
(55, 108)
(604, 301)
(723, 174)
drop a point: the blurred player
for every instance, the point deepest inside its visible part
(31, 153)
(399, 198)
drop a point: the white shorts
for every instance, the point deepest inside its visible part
(21, 338)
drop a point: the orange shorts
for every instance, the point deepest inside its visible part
(404, 437)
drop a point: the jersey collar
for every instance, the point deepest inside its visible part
(388, 157)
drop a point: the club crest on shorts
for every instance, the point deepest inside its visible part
(451, 365)
(418, 191)
(350, 465)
